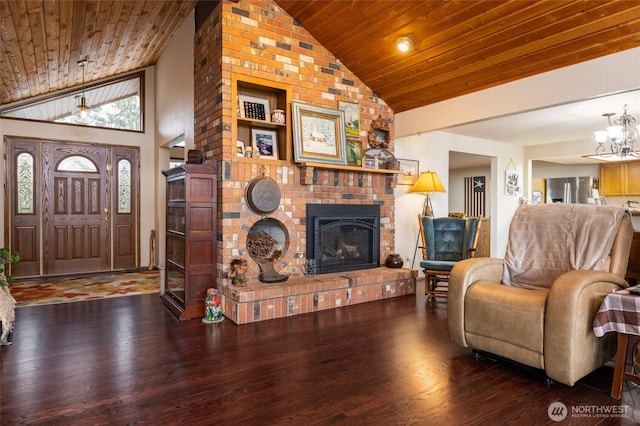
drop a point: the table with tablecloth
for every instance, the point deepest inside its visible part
(619, 312)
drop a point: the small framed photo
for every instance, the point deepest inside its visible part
(254, 108)
(409, 170)
(354, 153)
(370, 163)
(240, 147)
(265, 142)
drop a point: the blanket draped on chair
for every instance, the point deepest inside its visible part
(572, 236)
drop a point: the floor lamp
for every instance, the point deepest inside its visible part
(428, 183)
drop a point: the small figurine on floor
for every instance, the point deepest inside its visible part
(237, 272)
(212, 307)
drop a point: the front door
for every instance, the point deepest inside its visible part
(76, 209)
(73, 207)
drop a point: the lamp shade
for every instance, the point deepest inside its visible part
(427, 183)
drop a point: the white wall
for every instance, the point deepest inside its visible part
(543, 170)
(73, 133)
(174, 113)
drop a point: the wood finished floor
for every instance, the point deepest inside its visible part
(127, 360)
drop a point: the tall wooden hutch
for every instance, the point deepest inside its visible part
(190, 237)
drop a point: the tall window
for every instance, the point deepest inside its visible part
(25, 183)
(124, 186)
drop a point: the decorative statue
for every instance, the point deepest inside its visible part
(237, 272)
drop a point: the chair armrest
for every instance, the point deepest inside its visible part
(463, 275)
(571, 349)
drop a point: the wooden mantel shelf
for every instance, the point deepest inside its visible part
(347, 168)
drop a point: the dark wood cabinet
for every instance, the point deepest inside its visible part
(190, 267)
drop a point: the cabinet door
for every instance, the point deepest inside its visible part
(633, 179)
(612, 179)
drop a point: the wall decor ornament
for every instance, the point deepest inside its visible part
(378, 136)
(318, 134)
(511, 180)
(381, 155)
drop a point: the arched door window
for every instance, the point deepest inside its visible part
(76, 163)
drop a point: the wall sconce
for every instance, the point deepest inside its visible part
(404, 44)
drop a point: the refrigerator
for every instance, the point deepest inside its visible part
(571, 189)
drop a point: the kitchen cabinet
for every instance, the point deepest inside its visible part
(620, 179)
(633, 178)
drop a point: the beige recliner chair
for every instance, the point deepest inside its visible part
(536, 306)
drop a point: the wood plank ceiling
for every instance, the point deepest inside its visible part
(460, 46)
(463, 46)
(43, 40)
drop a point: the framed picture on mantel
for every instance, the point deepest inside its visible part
(318, 134)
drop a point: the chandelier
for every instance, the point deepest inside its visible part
(621, 134)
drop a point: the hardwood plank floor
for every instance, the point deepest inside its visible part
(128, 360)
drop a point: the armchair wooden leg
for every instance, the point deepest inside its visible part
(431, 282)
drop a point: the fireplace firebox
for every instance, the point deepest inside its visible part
(343, 237)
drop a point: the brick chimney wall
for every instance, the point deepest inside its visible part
(257, 38)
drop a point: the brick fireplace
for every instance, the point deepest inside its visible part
(260, 40)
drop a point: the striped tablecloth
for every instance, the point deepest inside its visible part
(620, 311)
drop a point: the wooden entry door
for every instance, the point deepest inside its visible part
(82, 214)
(75, 209)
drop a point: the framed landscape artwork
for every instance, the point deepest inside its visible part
(351, 118)
(409, 170)
(318, 134)
(354, 153)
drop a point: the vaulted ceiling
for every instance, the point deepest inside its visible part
(460, 46)
(463, 46)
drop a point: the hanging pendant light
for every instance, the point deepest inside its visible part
(83, 112)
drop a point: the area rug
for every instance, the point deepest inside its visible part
(75, 289)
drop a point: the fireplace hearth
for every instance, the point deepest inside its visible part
(343, 237)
